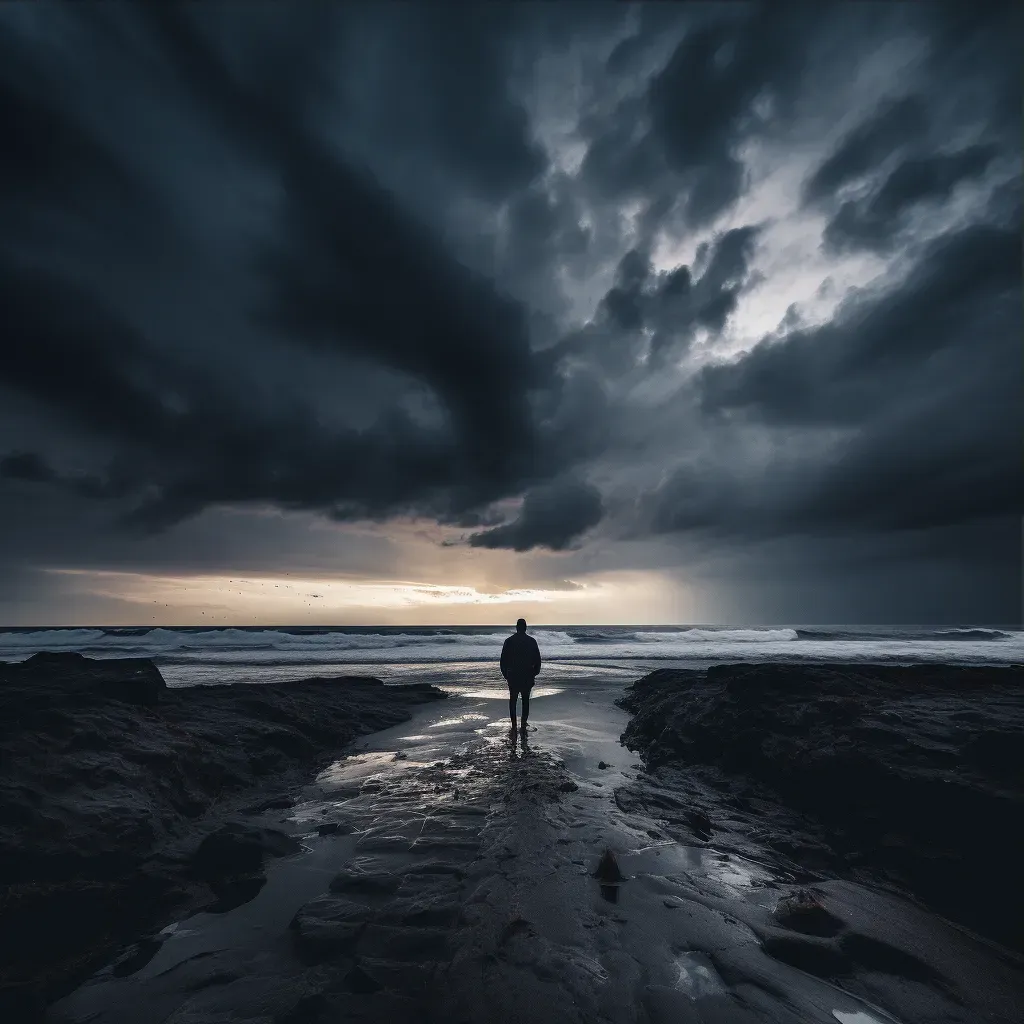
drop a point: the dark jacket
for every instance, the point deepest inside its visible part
(520, 659)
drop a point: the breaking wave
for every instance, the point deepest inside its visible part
(222, 652)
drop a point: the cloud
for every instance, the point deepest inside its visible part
(875, 221)
(670, 305)
(302, 269)
(348, 272)
(895, 124)
(26, 466)
(882, 419)
(553, 516)
(678, 147)
(876, 344)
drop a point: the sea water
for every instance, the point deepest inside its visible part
(468, 655)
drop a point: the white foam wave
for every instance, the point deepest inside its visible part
(266, 649)
(737, 636)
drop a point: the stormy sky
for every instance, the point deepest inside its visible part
(427, 313)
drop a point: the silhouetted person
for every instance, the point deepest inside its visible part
(520, 663)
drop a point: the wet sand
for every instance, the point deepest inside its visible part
(446, 873)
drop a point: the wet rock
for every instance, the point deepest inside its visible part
(445, 845)
(365, 875)
(370, 843)
(310, 1009)
(106, 770)
(435, 867)
(700, 823)
(63, 677)
(237, 849)
(818, 956)
(876, 955)
(334, 828)
(517, 926)
(136, 956)
(329, 925)
(411, 979)
(568, 786)
(430, 908)
(274, 803)
(802, 912)
(410, 944)
(602, 765)
(911, 774)
(607, 871)
(361, 981)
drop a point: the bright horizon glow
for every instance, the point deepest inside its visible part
(142, 599)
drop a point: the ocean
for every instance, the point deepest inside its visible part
(199, 655)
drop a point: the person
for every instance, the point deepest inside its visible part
(520, 663)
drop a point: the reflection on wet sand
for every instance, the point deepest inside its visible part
(500, 693)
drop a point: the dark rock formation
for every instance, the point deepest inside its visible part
(31, 686)
(329, 925)
(802, 912)
(916, 773)
(607, 870)
(103, 766)
(239, 850)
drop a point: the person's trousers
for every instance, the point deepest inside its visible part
(515, 690)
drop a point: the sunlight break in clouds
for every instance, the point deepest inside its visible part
(195, 600)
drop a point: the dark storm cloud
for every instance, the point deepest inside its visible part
(894, 125)
(899, 156)
(680, 138)
(26, 466)
(320, 259)
(875, 222)
(351, 273)
(552, 516)
(428, 86)
(877, 344)
(698, 100)
(916, 381)
(672, 304)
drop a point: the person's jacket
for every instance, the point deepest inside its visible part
(520, 658)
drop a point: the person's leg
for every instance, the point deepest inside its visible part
(512, 695)
(526, 707)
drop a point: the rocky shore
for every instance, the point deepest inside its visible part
(446, 870)
(121, 800)
(910, 777)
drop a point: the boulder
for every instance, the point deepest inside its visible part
(237, 849)
(57, 676)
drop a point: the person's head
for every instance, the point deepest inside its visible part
(520, 625)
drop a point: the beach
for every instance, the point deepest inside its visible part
(659, 847)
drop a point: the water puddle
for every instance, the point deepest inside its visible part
(857, 1017)
(358, 768)
(459, 720)
(186, 952)
(668, 858)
